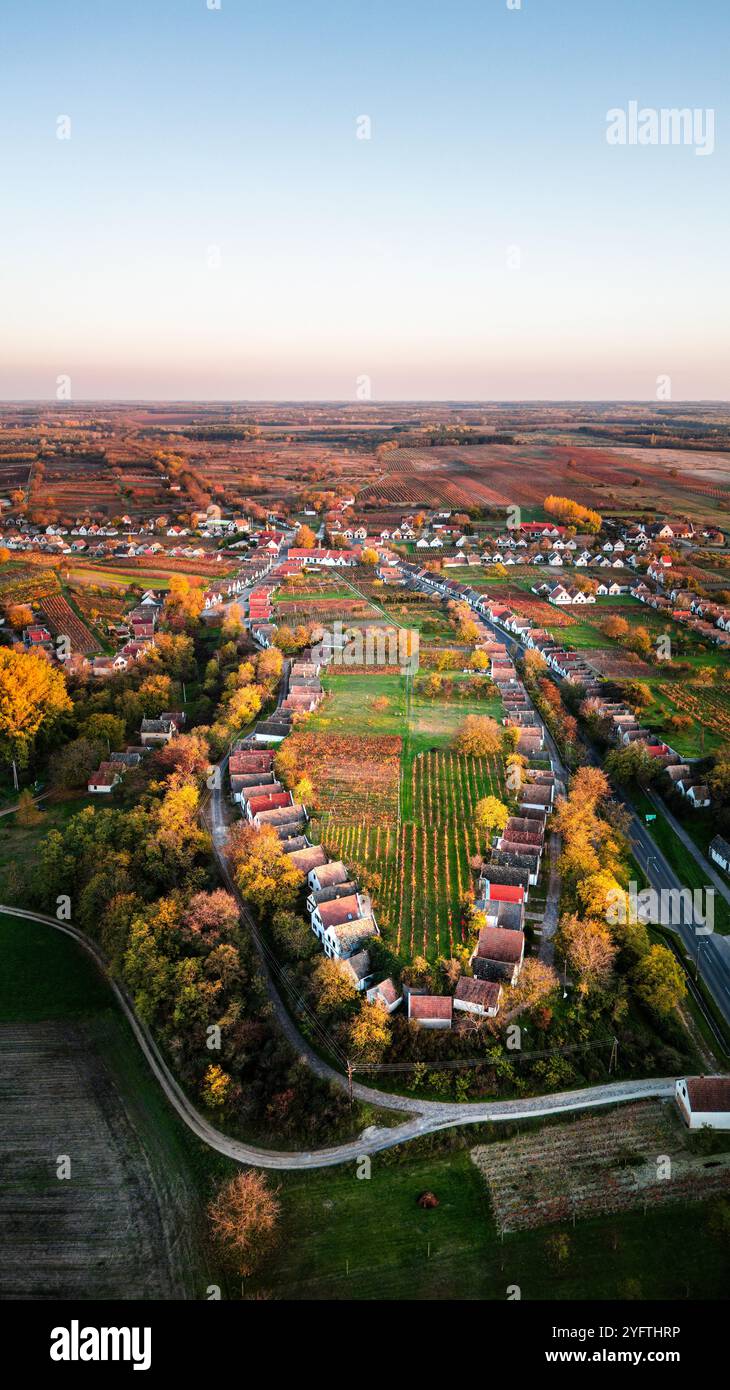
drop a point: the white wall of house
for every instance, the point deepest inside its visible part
(468, 1007)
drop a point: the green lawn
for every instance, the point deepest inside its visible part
(351, 707)
(345, 1238)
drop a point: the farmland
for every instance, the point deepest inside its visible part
(127, 1222)
(397, 801)
(63, 621)
(423, 859)
(356, 777)
(596, 1165)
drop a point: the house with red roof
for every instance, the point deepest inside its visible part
(704, 1101)
(431, 1010)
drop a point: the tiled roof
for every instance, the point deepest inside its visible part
(428, 1006)
(709, 1093)
(482, 992)
(497, 944)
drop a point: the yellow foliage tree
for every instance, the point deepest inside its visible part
(264, 873)
(479, 736)
(33, 696)
(215, 1088)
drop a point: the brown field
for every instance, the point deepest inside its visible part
(617, 665)
(356, 777)
(104, 1232)
(107, 459)
(61, 619)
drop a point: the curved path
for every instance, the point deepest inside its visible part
(428, 1116)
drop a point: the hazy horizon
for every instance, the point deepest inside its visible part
(455, 401)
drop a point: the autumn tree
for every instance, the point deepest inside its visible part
(72, 765)
(183, 604)
(589, 949)
(173, 842)
(719, 777)
(244, 1217)
(535, 983)
(658, 980)
(105, 728)
(33, 697)
(155, 693)
(243, 706)
(19, 615)
(615, 627)
(572, 513)
(305, 537)
(27, 813)
(334, 992)
(269, 664)
(534, 664)
(175, 653)
(233, 622)
(633, 764)
(479, 736)
(212, 916)
(369, 1034)
(264, 873)
(293, 937)
(186, 754)
(216, 1087)
(491, 814)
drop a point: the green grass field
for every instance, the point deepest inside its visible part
(345, 1238)
(353, 706)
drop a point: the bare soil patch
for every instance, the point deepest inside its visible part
(107, 1231)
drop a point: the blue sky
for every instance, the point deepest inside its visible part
(214, 228)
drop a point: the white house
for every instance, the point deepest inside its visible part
(431, 1010)
(341, 942)
(328, 875)
(351, 908)
(105, 779)
(720, 852)
(385, 995)
(480, 997)
(704, 1101)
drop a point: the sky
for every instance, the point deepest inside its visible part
(211, 226)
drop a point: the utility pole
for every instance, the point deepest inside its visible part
(349, 1080)
(15, 777)
(613, 1062)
